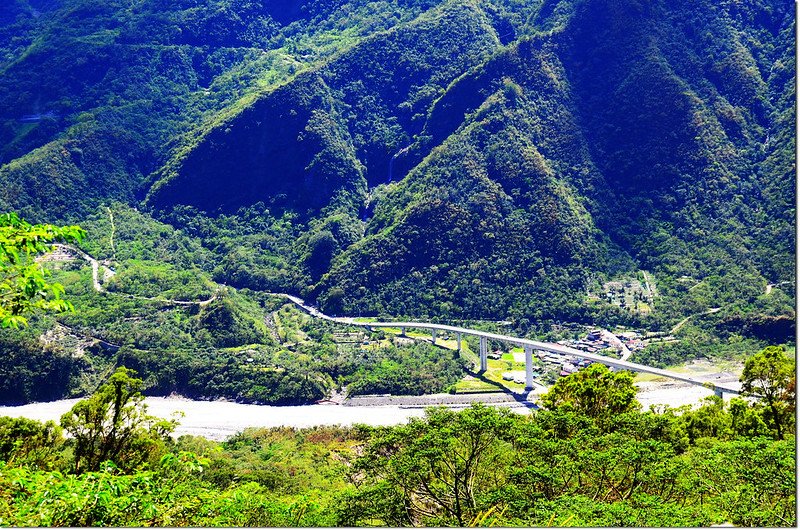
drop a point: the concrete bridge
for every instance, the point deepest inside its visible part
(528, 346)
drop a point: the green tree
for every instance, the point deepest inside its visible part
(746, 482)
(322, 248)
(333, 302)
(770, 376)
(596, 392)
(747, 420)
(113, 424)
(29, 442)
(23, 285)
(710, 420)
(440, 470)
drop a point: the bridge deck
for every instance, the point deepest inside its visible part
(544, 346)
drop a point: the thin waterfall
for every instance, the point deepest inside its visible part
(391, 161)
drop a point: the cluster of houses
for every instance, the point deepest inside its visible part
(567, 363)
(595, 342)
(632, 340)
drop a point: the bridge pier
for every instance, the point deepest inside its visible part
(402, 331)
(528, 367)
(458, 341)
(614, 364)
(433, 335)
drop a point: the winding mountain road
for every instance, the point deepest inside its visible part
(525, 343)
(771, 286)
(108, 273)
(680, 324)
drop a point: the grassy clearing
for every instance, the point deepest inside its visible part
(470, 385)
(647, 378)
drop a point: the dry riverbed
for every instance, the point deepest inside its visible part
(218, 420)
(659, 391)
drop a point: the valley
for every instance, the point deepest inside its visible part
(398, 263)
(481, 371)
(218, 420)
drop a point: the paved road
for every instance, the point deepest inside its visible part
(610, 338)
(680, 324)
(107, 272)
(771, 286)
(93, 262)
(543, 346)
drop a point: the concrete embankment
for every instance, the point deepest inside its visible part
(432, 400)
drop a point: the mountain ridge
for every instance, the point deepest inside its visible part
(560, 142)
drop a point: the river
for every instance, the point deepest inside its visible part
(217, 420)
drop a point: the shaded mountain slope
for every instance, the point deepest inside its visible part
(475, 158)
(62, 177)
(662, 132)
(290, 146)
(483, 222)
(157, 70)
(375, 90)
(676, 111)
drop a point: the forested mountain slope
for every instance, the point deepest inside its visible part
(460, 159)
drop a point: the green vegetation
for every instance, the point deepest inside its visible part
(465, 161)
(162, 315)
(594, 392)
(23, 288)
(770, 375)
(112, 425)
(571, 463)
(216, 351)
(447, 159)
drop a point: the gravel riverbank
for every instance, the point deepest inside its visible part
(217, 420)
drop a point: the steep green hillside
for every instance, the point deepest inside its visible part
(678, 111)
(293, 149)
(140, 77)
(456, 159)
(483, 222)
(664, 134)
(300, 145)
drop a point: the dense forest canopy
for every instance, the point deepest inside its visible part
(460, 159)
(569, 464)
(533, 167)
